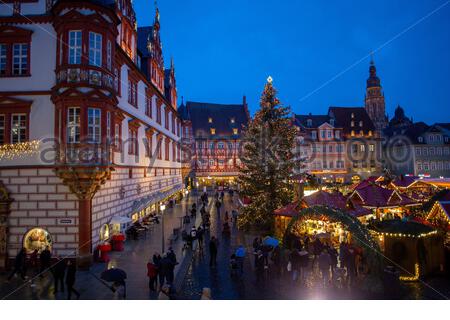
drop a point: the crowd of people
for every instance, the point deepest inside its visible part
(308, 258)
(37, 264)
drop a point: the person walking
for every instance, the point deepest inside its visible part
(240, 256)
(152, 274)
(324, 266)
(333, 257)
(218, 205)
(156, 261)
(213, 244)
(70, 279)
(59, 270)
(173, 262)
(259, 267)
(200, 233)
(295, 264)
(19, 265)
(46, 257)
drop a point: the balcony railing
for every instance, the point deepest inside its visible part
(87, 75)
(85, 154)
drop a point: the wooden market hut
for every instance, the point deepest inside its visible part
(382, 201)
(416, 249)
(320, 198)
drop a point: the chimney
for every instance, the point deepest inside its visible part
(244, 100)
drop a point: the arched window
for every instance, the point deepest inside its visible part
(37, 239)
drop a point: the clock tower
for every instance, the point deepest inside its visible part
(374, 102)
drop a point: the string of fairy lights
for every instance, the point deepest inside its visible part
(19, 150)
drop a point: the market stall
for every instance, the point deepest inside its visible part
(415, 249)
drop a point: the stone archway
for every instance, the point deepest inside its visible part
(5, 202)
(360, 234)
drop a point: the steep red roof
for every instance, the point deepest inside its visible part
(332, 199)
(374, 196)
(403, 181)
(290, 210)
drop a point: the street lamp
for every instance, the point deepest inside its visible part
(162, 208)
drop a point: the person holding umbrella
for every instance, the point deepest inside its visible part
(117, 276)
(240, 255)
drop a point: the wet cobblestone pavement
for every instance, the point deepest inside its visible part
(224, 287)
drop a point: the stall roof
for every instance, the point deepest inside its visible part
(401, 227)
(373, 196)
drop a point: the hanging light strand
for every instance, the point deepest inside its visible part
(19, 150)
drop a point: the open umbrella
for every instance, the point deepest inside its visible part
(114, 275)
(240, 252)
(269, 241)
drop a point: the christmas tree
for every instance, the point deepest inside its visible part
(267, 162)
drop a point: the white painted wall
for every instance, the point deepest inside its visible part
(42, 63)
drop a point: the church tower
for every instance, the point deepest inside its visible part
(374, 103)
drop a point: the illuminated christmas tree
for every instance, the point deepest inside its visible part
(267, 162)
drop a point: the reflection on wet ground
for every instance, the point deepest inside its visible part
(225, 286)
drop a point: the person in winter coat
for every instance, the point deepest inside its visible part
(152, 274)
(164, 270)
(333, 256)
(213, 244)
(240, 256)
(70, 279)
(19, 264)
(173, 262)
(294, 257)
(200, 233)
(259, 267)
(324, 266)
(59, 270)
(218, 205)
(46, 257)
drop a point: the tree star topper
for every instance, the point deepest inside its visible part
(269, 79)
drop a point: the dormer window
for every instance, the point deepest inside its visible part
(360, 123)
(332, 122)
(353, 133)
(353, 115)
(361, 133)
(209, 120)
(213, 131)
(370, 133)
(309, 122)
(352, 124)
(420, 139)
(235, 131)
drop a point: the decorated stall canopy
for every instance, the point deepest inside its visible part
(413, 248)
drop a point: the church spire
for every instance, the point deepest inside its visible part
(375, 103)
(156, 22)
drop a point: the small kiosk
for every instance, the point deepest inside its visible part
(416, 249)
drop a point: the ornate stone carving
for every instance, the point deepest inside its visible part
(84, 182)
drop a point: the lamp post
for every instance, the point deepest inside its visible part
(162, 208)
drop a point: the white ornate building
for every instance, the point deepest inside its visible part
(89, 128)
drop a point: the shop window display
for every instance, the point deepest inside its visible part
(37, 238)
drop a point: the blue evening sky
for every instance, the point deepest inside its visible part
(225, 49)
